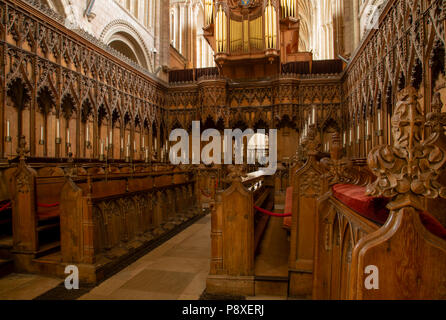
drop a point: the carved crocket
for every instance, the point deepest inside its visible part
(408, 170)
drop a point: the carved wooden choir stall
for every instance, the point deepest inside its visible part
(353, 211)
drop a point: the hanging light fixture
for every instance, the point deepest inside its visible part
(270, 26)
(221, 30)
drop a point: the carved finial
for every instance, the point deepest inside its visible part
(236, 173)
(338, 169)
(408, 170)
(70, 169)
(22, 151)
(312, 141)
(299, 157)
(185, 167)
(435, 119)
(336, 146)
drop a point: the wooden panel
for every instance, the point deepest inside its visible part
(71, 222)
(411, 261)
(238, 231)
(140, 184)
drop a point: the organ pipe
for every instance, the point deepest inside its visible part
(235, 31)
(255, 33)
(221, 30)
(270, 26)
(209, 12)
(288, 9)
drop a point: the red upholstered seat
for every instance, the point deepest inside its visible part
(374, 208)
(355, 198)
(288, 208)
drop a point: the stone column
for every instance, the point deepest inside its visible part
(162, 32)
(356, 25)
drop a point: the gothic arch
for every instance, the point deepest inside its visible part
(305, 10)
(57, 6)
(124, 38)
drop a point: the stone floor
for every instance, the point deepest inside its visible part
(175, 270)
(25, 286)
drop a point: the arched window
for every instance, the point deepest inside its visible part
(56, 5)
(122, 37)
(258, 144)
(172, 28)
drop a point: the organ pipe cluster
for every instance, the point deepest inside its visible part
(288, 9)
(245, 35)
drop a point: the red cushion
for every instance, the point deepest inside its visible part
(433, 225)
(355, 198)
(375, 209)
(288, 207)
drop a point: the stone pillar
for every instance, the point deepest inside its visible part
(356, 25)
(163, 32)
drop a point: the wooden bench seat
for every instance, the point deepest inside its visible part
(104, 219)
(49, 183)
(106, 213)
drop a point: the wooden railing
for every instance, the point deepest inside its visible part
(313, 67)
(190, 75)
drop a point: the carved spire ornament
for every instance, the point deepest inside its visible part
(312, 142)
(22, 150)
(436, 120)
(300, 156)
(336, 164)
(236, 173)
(408, 170)
(70, 171)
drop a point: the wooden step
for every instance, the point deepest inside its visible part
(6, 267)
(6, 247)
(48, 227)
(271, 286)
(48, 248)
